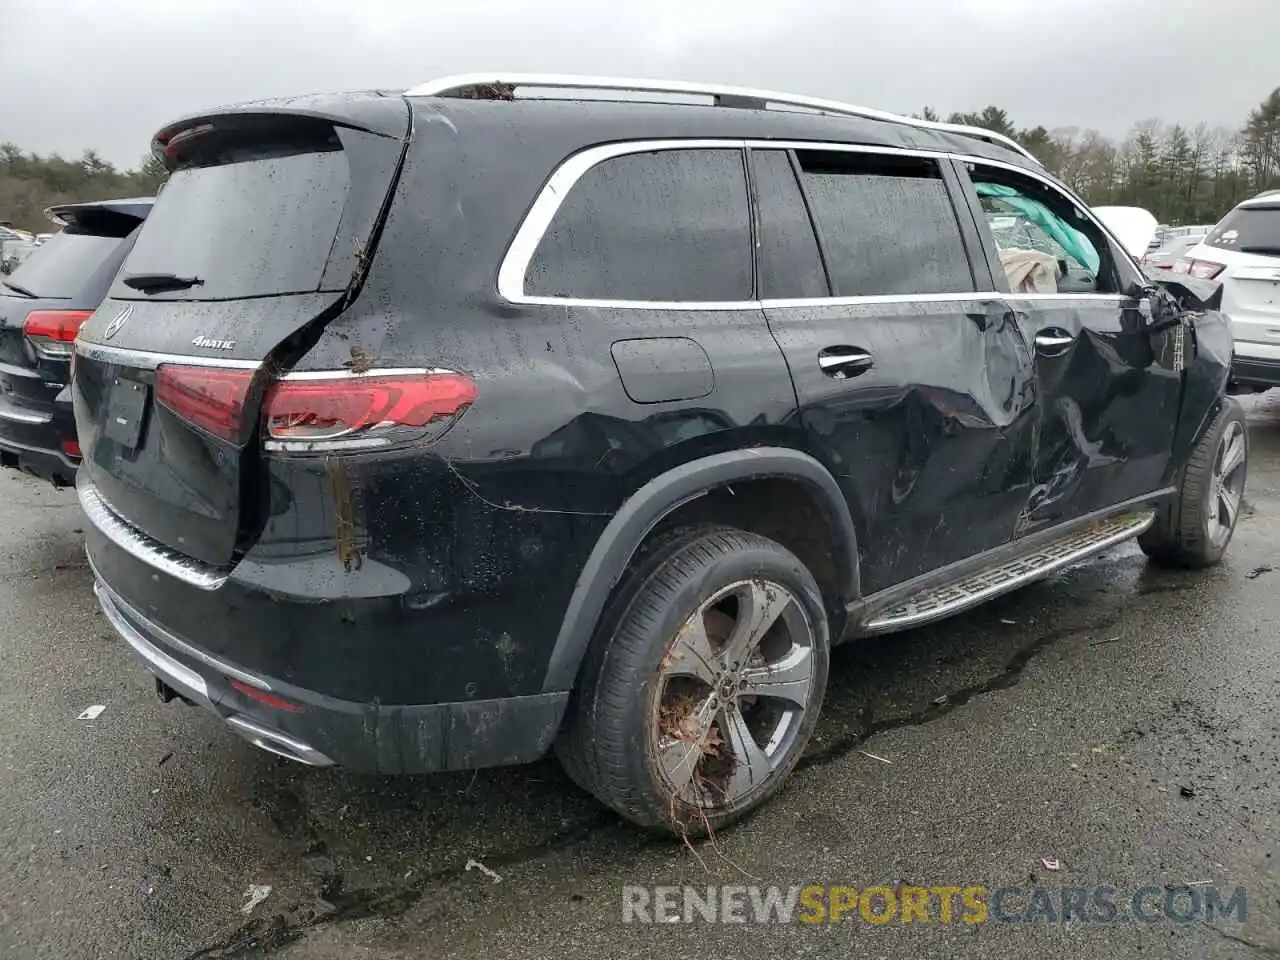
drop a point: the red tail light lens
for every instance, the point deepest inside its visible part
(1205, 269)
(51, 333)
(330, 411)
(211, 398)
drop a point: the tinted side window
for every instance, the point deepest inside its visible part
(664, 225)
(887, 224)
(790, 264)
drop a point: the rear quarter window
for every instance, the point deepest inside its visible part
(666, 225)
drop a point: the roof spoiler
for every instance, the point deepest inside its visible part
(68, 214)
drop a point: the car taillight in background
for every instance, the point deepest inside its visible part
(1202, 269)
(52, 333)
(320, 412)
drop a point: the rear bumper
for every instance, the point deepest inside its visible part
(31, 440)
(364, 737)
(1256, 364)
(49, 465)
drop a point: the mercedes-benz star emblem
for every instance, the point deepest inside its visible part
(117, 322)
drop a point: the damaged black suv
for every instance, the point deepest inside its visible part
(428, 430)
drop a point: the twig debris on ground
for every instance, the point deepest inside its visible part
(874, 757)
(477, 865)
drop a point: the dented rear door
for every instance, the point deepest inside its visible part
(913, 380)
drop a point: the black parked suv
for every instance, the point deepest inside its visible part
(425, 431)
(42, 306)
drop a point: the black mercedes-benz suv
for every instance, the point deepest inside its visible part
(42, 306)
(428, 430)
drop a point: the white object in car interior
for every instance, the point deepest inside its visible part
(1133, 226)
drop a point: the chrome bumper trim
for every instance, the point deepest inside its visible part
(139, 545)
(186, 681)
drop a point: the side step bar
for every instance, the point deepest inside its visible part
(941, 601)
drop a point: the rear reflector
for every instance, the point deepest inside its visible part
(334, 411)
(71, 448)
(210, 398)
(266, 699)
(51, 333)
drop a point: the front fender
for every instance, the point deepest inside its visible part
(646, 508)
(1208, 357)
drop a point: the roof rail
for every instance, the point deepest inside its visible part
(502, 86)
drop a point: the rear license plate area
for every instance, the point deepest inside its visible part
(126, 412)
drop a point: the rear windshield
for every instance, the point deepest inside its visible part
(252, 228)
(59, 268)
(1249, 230)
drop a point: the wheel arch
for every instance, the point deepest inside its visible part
(660, 498)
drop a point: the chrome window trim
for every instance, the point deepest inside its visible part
(138, 545)
(515, 263)
(149, 359)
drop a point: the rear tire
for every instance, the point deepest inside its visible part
(701, 690)
(1195, 531)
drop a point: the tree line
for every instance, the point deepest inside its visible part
(1182, 175)
(30, 183)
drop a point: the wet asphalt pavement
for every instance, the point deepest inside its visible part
(1122, 720)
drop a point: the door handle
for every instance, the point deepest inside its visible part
(841, 363)
(1053, 341)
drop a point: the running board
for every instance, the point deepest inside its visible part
(942, 601)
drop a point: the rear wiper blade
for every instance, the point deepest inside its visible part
(1273, 251)
(157, 282)
(17, 289)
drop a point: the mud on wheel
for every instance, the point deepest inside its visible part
(694, 710)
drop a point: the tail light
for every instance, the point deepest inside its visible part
(315, 412)
(52, 333)
(1203, 269)
(211, 398)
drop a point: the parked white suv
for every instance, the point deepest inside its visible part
(1243, 252)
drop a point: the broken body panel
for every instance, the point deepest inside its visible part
(426, 604)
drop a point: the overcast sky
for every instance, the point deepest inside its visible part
(107, 73)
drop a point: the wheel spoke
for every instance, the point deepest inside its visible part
(790, 678)
(1233, 456)
(1228, 507)
(679, 761)
(759, 606)
(691, 654)
(751, 765)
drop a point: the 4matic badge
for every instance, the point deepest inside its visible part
(209, 343)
